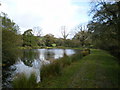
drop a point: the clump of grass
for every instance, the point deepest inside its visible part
(51, 70)
(76, 57)
(55, 68)
(22, 81)
(65, 61)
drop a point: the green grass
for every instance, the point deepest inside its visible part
(21, 81)
(50, 70)
(57, 66)
(96, 70)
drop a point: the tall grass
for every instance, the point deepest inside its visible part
(56, 67)
(76, 57)
(51, 70)
(22, 81)
(65, 61)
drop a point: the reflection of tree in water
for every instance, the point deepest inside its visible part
(49, 54)
(64, 53)
(29, 56)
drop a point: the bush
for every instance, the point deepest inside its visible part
(53, 45)
(85, 52)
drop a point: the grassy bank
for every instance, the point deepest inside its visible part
(97, 70)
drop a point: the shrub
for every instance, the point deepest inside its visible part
(53, 45)
(85, 52)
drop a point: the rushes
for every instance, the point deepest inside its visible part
(56, 67)
(51, 70)
(21, 81)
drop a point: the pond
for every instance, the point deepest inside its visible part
(32, 60)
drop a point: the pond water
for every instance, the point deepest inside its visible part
(32, 60)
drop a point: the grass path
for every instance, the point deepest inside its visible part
(97, 70)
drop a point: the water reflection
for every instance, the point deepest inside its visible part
(48, 54)
(44, 54)
(32, 60)
(29, 56)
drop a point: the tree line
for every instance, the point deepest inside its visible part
(80, 38)
(103, 32)
(105, 26)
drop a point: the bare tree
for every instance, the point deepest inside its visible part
(64, 32)
(37, 31)
(82, 34)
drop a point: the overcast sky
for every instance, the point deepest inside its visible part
(50, 15)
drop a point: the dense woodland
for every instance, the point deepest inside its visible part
(102, 32)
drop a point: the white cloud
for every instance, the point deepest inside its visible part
(48, 14)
